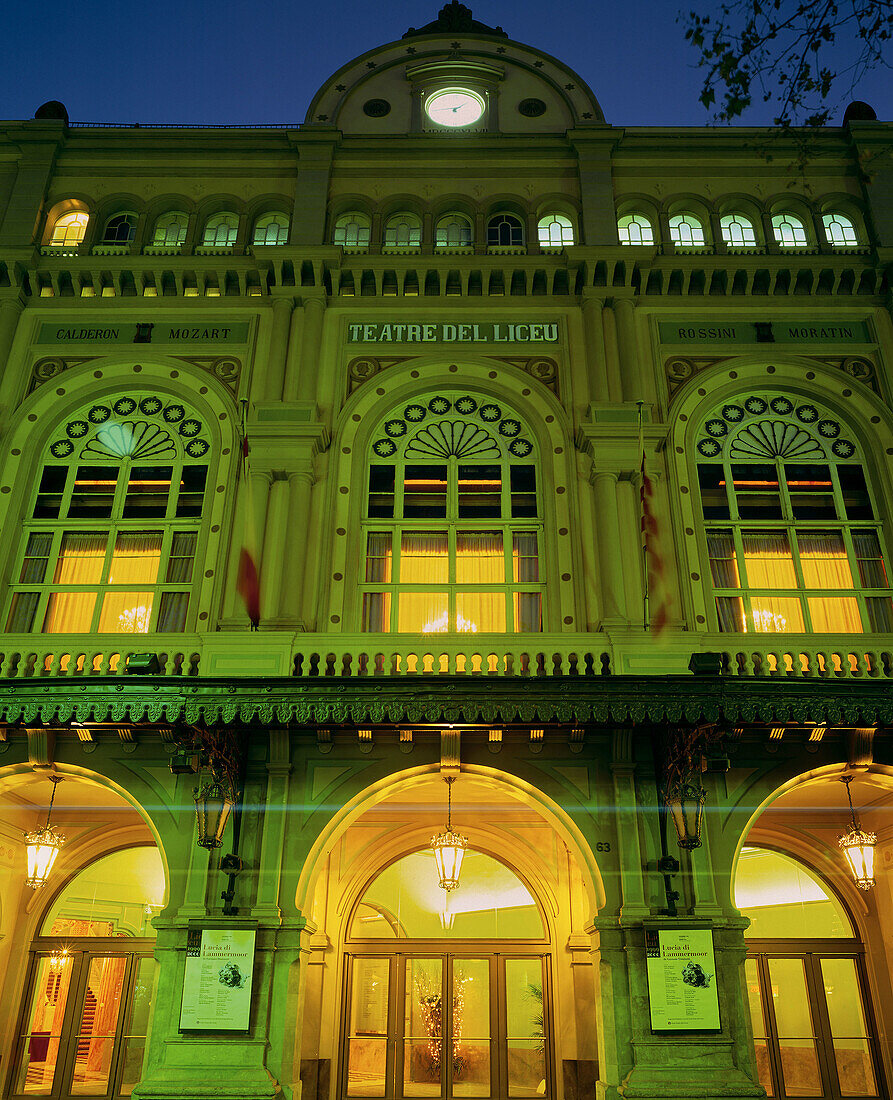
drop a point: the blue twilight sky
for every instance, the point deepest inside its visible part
(260, 61)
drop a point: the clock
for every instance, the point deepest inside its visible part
(454, 107)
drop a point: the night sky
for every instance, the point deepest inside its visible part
(260, 61)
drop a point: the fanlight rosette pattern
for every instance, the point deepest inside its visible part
(130, 439)
(774, 439)
(452, 439)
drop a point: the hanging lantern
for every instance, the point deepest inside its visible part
(42, 846)
(449, 848)
(213, 803)
(685, 801)
(858, 846)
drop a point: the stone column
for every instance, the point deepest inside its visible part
(607, 534)
(631, 367)
(11, 308)
(594, 334)
(274, 551)
(629, 851)
(300, 378)
(630, 514)
(300, 483)
(275, 374)
(273, 830)
(590, 589)
(612, 356)
(246, 527)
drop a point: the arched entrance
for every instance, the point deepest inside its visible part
(417, 993)
(448, 995)
(80, 968)
(807, 989)
(814, 944)
(89, 985)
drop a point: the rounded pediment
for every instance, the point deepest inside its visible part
(390, 89)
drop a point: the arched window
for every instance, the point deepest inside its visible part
(69, 229)
(453, 231)
(839, 230)
(737, 231)
(505, 231)
(221, 231)
(170, 229)
(111, 530)
(353, 230)
(686, 231)
(91, 982)
(119, 229)
(635, 229)
(789, 231)
(453, 524)
(271, 229)
(403, 231)
(555, 231)
(793, 538)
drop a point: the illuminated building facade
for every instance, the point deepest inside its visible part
(451, 312)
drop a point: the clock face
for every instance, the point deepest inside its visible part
(454, 107)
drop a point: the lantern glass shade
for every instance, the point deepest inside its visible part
(42, 847)
(449, 849)
(686, 804)
(212, 808)
(858, 847)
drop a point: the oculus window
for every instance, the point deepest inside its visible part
(453, 532)
(111, 534)
(793, 538)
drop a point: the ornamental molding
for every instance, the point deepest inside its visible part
(364, 367)
(680, 369)
(45, 370)
(541, 368)
(225, 368)
(308, 701)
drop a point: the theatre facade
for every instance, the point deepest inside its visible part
(562, 453)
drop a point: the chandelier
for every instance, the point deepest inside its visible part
(42, 846)
(858, 846)
(448, 847)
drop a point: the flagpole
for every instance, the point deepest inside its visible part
(640, 405)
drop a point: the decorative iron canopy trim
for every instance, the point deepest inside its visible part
(328, 701)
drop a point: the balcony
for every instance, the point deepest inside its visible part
(239, 654)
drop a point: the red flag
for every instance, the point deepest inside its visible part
(248, 579)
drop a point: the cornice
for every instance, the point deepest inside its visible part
(451, 699)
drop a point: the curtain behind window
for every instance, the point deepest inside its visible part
(824, 561)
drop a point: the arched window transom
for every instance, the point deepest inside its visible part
(635, 229)
(453, 526)
(111, 533)
(793, 538)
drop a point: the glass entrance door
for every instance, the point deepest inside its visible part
(83, 1029)
(447, 1025)
(812, 1033)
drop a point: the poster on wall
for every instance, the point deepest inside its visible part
(682, 991)
(217, 981)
